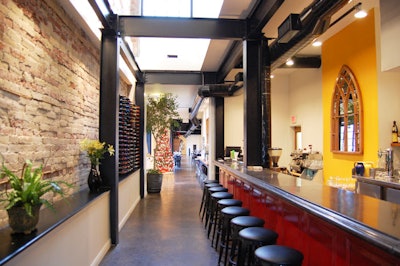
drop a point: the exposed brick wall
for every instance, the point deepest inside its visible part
(49, 89)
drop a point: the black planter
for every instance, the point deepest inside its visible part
(20, 221)
(154, 183)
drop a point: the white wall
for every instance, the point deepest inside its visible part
(281, 136)
(128, 197)
(234, 121)
(305, 101)
(82, 240)
(297, 94)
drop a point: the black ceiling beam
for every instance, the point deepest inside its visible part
(174, 77)
(128, 56)
(233, 58)
(104, 13)
(260, 16)
(304, 62)
(168, 27)
(257, 20)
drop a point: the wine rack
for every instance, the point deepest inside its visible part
(129, 133)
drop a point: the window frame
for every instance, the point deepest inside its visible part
(341, 98)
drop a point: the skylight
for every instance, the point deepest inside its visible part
(155, 53)
(188, 54)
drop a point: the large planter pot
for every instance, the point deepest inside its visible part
(154, 183)
(20, 221)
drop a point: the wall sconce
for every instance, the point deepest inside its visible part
(360, 13)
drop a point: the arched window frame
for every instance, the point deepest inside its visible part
(346, 125)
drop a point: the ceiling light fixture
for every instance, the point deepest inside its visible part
(289, 62)
(316, 43)
(360, 13)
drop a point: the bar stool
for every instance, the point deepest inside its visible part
(215, 197)
(227, 214)
(203, 198)
(237, 224)
(278, 255)
(250, 239)
(211, 190)
(223, 203)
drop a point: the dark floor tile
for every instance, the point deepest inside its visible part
(165, 229)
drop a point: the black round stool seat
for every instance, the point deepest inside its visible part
(212, 219)
(210, 181)
(250, 239)
(259, 234)
(221, 195)
(279, 255)
(212, 185)
(209, 206)
(237, 224)
(204, 198)
(229, 202)
(222, 203)
(234, 211)
(247, 221)
(217, 189)
(227, 214)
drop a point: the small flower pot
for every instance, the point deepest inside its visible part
(20, 221)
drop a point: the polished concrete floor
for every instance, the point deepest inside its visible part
(165, 229)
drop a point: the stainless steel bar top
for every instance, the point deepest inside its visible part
(373, 220)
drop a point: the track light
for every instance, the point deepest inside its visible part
(316, 43)
(289, 62)
(360, 13)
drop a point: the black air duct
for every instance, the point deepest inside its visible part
(315, 20)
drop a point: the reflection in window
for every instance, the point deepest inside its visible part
(346, 115)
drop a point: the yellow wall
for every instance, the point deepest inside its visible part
(355, 47)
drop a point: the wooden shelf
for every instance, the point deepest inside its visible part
(395, 144)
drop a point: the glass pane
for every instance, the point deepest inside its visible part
(341, 134)
(167, 8)
(344, 87)
(351, 141)
(350, 106)
(207, 8)
(341, 106)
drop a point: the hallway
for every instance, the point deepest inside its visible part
(165, 229)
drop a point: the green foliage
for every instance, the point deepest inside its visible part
(28, 189)
(161, 115)
(154, 171)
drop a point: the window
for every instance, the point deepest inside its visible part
(346, 116)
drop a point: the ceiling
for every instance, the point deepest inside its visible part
(239, 9)
(219, 49)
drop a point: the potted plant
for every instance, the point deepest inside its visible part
(161, 116)
(95, 151)
(24, 199)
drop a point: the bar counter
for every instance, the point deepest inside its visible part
(348, 223)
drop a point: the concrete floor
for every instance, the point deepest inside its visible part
(165, 229)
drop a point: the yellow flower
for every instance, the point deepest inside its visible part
(96, 149)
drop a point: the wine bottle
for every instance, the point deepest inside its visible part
(395, 132)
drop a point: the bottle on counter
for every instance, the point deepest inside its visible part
(395, 132)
